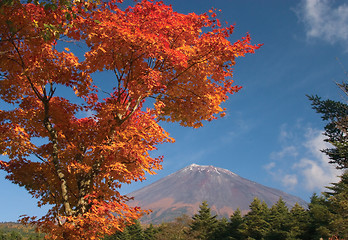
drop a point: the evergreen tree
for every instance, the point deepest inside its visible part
(336, 129)
(337, 201)
(204, 223)
(279, 221)
(177, 230)
(235, 226)
(135, 231)
(221, 230)
(319, 219)
(150, 232)
(124, 235)
(299, 220)
(255, 223)
(131, 232)
(336, 113)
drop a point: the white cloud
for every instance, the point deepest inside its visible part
(300, 163)
(289, 180)
(315, 142)
(325, 20)
(284, 133)
(269, 166)
(316, 177)
(286, 151)
(315, 168)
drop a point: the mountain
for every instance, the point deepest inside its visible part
(183, 191)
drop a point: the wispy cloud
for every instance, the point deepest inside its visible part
(300, 163)
(284, 134)
(314, 168)
(286, 151)
(289, 180)
(269, 166)
(324, 19)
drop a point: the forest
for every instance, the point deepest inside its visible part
(325, 218)
(16, 231)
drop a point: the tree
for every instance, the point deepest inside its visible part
(10, 235)
(131, 232)
(221, 230)
(71, 145)
(135, 231)
(256, 224)
(299, 220)
(336, 130)
(319, 219)
(150, 232)
(203, 223)
(336, 113)
(279, 220)
(235, 225)
(176, 230)
(337, 200)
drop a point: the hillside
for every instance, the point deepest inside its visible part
(13, 230)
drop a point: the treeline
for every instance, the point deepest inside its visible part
(17, 231)
(325, 218)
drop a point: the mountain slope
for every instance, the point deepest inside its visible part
(183, 191)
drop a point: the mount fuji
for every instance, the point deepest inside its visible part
(183, 191)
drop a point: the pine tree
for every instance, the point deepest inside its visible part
(150, 232)
(255, 221)
(279, 221)
(177, 230)
(120, 235)
(337, 201)
(204, 223)
(135, 231)
(221, 230)
(235, 226)
(319, 219)
(336, 113)
(131, 232)
(299, 220)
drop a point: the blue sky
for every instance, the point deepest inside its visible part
(270, 133)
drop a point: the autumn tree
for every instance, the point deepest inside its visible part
(71, 145)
